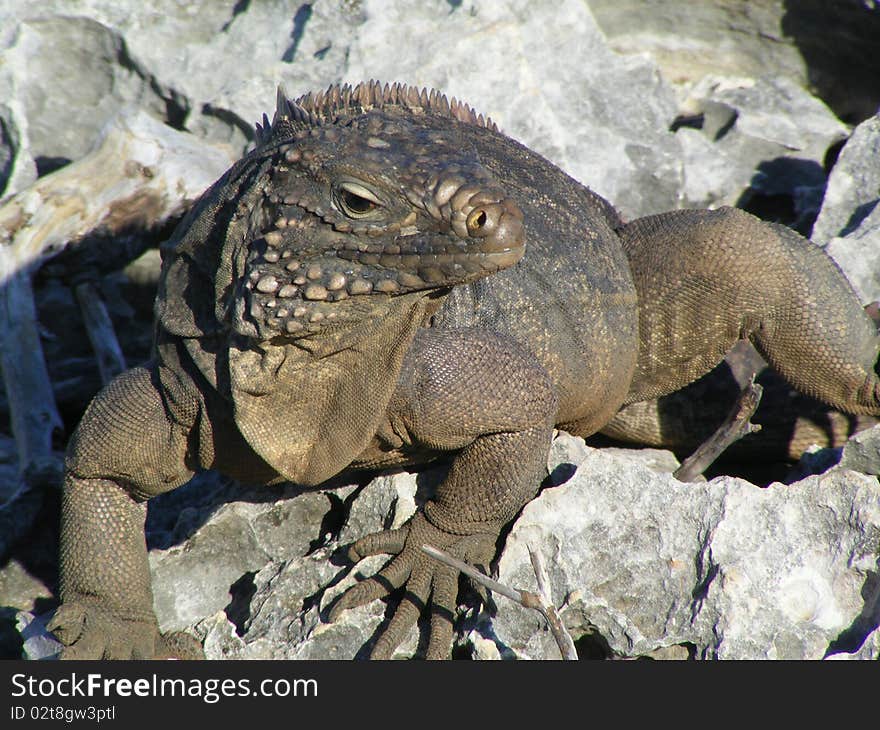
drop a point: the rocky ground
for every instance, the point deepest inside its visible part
(653, 105)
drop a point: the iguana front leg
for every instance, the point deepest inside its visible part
(485, 397)
(125, 450)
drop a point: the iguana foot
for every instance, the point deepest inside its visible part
(92, 632)
(428, 582)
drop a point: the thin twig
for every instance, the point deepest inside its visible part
(735, 426)
(472, 572)
(524, 598)
(548, 609)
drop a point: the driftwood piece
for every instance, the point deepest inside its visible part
(539, 602)
(34, 416)
(100, 330)
(140, 173)
(735, 426)
(31, 401)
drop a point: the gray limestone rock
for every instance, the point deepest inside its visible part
(70, 76)
(385, 503)
(212, 66)
(828, 47)
(17, 168)
(195, 578)
(762, 136)
(19, 589)
(559, 89)
(37, 642)
(869, 650)
(849, 222)
(858, 254)
(862, 452)
(691, 40)
(641, 562)
(853, 191)
(731, 569)
(280, 617)
(283, 620)
(388, 501)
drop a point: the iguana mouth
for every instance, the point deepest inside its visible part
(406, 261)
(291, 289)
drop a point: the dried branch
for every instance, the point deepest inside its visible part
(540, 603)
(32, 408)
(472, 572)
(31, 401)
(140, 174)
(100, 330)
(548, 610)
(734, 427)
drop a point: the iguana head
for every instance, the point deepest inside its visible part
(370, 192)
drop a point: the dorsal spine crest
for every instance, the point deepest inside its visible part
(313, 109)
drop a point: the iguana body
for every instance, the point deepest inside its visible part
(387, 278)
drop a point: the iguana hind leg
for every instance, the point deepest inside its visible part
(707, 278)
(125, 450)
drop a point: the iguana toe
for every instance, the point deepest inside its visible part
(179, 645)
(415, 598)
(68, 622)
(386, 542)
(387, 580)
(444, 593)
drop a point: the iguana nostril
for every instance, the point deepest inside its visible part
(476, 221)
(498, 225)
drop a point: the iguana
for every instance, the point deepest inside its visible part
(387, 278)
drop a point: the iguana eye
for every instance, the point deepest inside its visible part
(355, 200)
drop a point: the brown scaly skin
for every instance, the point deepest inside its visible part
(387, 278)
